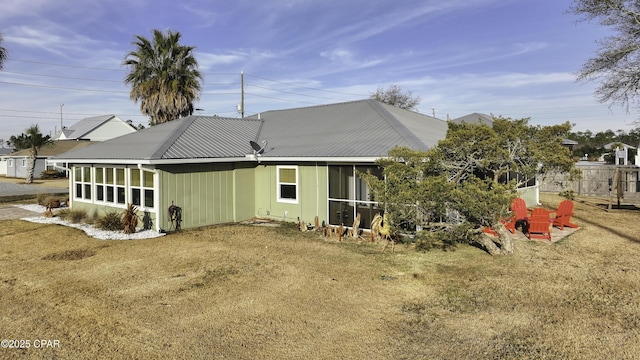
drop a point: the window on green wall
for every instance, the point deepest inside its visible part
(109, 185)
(114, 185)
(142, 188)
(287, 182)
(82, 182)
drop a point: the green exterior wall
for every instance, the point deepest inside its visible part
(207, 193)
(100, 210)
(244, 191)
(312, 193)
(92, 207)
(217, 193)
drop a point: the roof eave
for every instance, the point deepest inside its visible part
(247, 158)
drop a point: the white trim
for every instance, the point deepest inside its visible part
(140, 162)
(127, 187)
(278, 183)
(249, 158)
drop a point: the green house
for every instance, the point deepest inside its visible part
(280, 164)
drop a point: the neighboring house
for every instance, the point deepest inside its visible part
(475, 118)
(620, 152)
(4, 152)
(98, 128)
(281, 164)
(570, 144)
(18, 162)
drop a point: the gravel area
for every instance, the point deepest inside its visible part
(88, 229)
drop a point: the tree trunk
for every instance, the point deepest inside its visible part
(31, 166)
(505, 239)
(488, 244)
(503, 245)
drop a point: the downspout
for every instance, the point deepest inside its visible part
(55, 166)
(70, 182)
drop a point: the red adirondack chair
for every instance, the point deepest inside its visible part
(539, 224)
(519, 209)
(520, 213)
(563, 215)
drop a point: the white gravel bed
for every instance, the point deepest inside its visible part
(88, 229)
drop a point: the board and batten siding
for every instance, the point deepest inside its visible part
(311, 193)
(207, 193)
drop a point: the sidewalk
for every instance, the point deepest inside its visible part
(13, 213)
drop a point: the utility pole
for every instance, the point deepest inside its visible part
(61, 127)
(242, 94)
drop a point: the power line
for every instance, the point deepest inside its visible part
(96, 68)
(64, 88)
(306, 87)
(290, 92)
(65, 65)
(62, 77)
(275, 98)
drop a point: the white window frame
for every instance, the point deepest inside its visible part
(125, 187)
(83, 182)
(24, 162)
(10, 163)
(114, 184)
(142, 188)
(279, 184)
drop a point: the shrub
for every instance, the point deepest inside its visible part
(111, 221)
(130, 219)
(41, 199)
(445, 238)
(568, 194)
(49, 174)
(74, 216)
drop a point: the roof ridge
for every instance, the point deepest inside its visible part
(106, 118)
(186, 124)
(182, 126)
(313, 106)
(393, 121)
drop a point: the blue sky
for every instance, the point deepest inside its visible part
(515, 58)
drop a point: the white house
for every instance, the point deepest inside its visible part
(4, 152)
(97, 128)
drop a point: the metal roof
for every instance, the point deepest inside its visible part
(364, 128)
(475, 118)
(357, 129)
(84, 126)
(55, 148)
(187, 138)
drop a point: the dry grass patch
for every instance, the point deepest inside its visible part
(262, 293)
(70, 255)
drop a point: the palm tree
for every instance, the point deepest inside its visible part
(32, 139)
(3, 53)
(163, 76)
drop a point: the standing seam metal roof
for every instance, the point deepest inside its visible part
(85, 126)
(364, 128)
